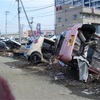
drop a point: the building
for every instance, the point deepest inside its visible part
(85, 3)
(13, 35)
(47, 32)
(35, 32)
(69, 15)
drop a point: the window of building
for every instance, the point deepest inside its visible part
(77, 2)
(98, 2)
(66, 20)
(81, 15)
(59, 19)
(75, 17)
(92, 4)
(58, 8)
(86, 0)
(86, 5)
(98, 7)
(65, 10)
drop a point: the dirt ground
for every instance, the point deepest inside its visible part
(45, 86)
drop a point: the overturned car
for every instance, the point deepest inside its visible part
(73, 48)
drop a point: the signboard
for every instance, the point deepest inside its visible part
(38, 29)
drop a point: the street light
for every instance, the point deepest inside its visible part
(6, 13)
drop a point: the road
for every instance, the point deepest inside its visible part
(26, 85)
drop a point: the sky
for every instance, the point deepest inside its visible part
(41, 11)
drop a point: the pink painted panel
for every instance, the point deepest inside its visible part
(65, 54)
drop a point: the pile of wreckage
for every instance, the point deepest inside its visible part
(78, 48)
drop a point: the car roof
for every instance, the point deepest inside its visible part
(46, 38)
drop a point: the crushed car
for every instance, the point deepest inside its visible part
(72, 49)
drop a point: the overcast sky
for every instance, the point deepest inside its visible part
(42, 12)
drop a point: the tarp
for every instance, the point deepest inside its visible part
(83, 65)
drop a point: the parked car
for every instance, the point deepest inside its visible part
(41, 50)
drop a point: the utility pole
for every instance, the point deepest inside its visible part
(22, 26)
(19, 26)
(27, 17)
(6, 13)
(31, 22)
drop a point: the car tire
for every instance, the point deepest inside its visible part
(35, 58)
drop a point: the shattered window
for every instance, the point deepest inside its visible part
(48, 45)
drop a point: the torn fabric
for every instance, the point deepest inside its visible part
(83, 68)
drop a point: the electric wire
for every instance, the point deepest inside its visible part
(13, 18)
(40, 8)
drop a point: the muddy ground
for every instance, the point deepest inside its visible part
(62, 76)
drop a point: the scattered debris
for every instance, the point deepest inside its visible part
(87, 92)
(59, 76)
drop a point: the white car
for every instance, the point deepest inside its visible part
(41, 50)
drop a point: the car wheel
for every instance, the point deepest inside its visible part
(35, 58)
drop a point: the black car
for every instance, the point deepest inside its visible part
(3, 46)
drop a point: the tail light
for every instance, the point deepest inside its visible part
(36, 41)
(60, 56)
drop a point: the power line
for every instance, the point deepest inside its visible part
(10, 4)
(45, 14)
(12, 8)
(40, 8)
(13, 18)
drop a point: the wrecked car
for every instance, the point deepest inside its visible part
(41, 50)
(73, 47)
(3, 46)
(12, 45)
